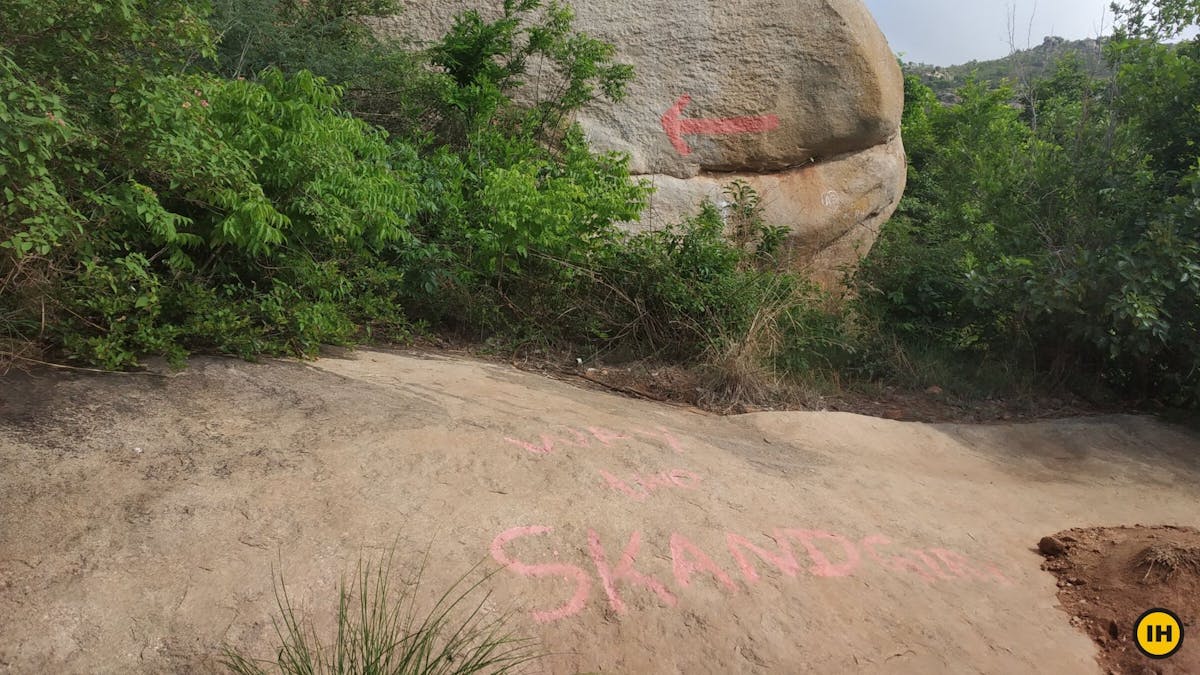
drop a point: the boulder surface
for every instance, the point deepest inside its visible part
(145, 520)
(800, 98)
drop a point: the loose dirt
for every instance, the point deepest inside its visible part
(1108, 577)
(142, 518)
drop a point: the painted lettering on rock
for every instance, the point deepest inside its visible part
(641, 486)
(583, 582)
(687, 559)
(784, 560)
(828, 556)
(624, 572)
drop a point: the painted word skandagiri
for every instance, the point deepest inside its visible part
(821, 554)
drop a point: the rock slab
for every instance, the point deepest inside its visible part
(801, 98)
(144, 520)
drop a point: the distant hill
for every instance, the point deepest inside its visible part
(1032, 63)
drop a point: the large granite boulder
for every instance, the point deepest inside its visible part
(800, 98)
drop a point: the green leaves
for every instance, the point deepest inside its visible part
(1155, 20)
(131, 189)
(486, 62)
(325, 176)
(152, 207)
(34, 212)
(1064, 238)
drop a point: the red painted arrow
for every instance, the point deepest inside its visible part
(677, 128)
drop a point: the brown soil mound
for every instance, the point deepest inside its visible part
(1107, 577)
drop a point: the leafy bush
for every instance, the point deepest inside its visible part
(516, 207)
(328, 37)
(384, 82)
(679, 291)
(1063, 236)
(148, 211)
(153, 207)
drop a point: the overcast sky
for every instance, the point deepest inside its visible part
(949, 32)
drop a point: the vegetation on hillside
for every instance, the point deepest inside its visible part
(269, 176)
(1062, 237)
(1025, 65)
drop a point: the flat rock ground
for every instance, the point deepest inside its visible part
(142, 517)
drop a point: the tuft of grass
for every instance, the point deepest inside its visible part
(746, 369)
(1168, 559)
(737, 366)
(380, 631)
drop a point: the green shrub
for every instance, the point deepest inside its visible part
(487, 60)
(1061, 238)
(517, 209)
(684, 287)
(242, 194)
(380, 631)
(148, 211)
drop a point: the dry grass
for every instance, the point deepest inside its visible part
(1167, 560)
(738, 374)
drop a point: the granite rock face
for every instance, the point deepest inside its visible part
(801, 98)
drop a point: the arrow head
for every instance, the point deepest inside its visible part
(673, 126)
